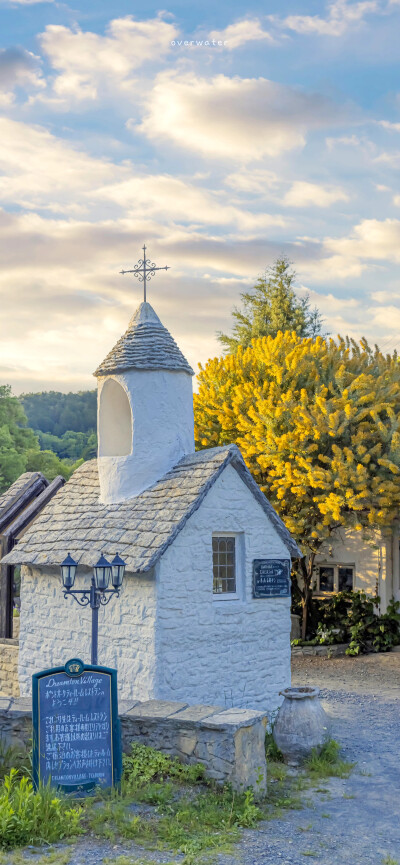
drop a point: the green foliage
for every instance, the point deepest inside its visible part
(56, 413)
(353, 617)
(71, 445)
(272, 752)
(16, 760)
(15, 438)
(49, 464)
(325, 762)
(29, 817)
(145, 764)
(271, 307)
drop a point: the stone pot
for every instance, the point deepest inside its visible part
(301, 724)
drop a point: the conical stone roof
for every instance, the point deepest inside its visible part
(147, 344)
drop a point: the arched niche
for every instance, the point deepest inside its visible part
(115, 421)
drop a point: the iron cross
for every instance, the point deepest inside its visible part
(144, 270)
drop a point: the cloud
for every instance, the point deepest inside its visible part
(254, 180)
(304, 194)
(39, 170)
(23, 2)
(238, 34)
(170, 198)
(90, 65)
(372, 240)
(341, 15)
(18, 68)
(233, 118)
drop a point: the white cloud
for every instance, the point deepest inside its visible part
(370, 240)
(254, 180)
(304, 194)
(23, 2)
(341, 15)
(39, 170)
(387, 124)
(170, 198)
(235, 35)
(233, 118)
(18, 68)
(90, 65)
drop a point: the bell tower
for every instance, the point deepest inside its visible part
(145, 408)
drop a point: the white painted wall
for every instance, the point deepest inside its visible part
(167, 635)
(162, 410)
(54, 629)
(214, 651)
(368, 556)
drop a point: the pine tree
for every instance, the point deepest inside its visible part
(271, 307)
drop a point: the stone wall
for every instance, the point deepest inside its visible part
(210, 649)
(230, 744)
(9, 667)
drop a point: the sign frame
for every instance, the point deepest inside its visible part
(264, 595)
(87, 787)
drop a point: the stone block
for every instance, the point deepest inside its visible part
(233, 718)
(152, 709)
(194, 714)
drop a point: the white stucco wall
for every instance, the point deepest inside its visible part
(366, 555)
(162, 424)
(234, 653)
(167, 635)
(54, 629)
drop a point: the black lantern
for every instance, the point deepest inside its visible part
(68, 571)
(102, 573)
(117, 570)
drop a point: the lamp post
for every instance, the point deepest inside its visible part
(99, 594)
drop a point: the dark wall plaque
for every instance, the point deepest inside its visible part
(271, 578)
(76, 734)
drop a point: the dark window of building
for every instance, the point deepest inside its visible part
(224, 566)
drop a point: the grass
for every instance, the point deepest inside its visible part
(388, 860)
(162, 805)
(326, 763)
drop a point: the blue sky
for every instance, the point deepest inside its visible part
(285, 138)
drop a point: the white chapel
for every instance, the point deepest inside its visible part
(192, 527)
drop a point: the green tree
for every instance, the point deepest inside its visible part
(318, 424)
(49, 464)
(271, 307)
(15, 438)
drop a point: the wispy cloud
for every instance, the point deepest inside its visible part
(305, 194)
(341, 15)
(241, 32)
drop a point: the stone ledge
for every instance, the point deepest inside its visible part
(332, 651)
(230, 743)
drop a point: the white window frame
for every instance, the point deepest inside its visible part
(335, 566)
(229, 596)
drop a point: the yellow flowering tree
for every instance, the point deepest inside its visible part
(318, 423)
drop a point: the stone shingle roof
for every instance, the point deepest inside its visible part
(14, 491)
(147, 344)
(141, 528)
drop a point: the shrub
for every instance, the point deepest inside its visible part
(352, 617)
(29, 817)
(145, 764)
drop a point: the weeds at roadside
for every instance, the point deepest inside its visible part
(388, 860)
(326, 763)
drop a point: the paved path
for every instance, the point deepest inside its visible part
(358, 821)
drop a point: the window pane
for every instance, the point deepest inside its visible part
(326, 581)
(345, 579)
(224, 570)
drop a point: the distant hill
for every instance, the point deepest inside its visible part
(65, 423)
(56, 413)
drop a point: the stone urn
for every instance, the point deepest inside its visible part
(301, 724)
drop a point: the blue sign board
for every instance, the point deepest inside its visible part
(271, 578)
(76, 734)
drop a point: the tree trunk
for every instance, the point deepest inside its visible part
(307, 567)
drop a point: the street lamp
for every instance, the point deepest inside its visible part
(96, 596)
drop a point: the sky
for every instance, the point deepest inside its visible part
(222, 135)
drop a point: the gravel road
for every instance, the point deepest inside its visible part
(358, 821)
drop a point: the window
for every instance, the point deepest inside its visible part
(224, 565)
(335, 578)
